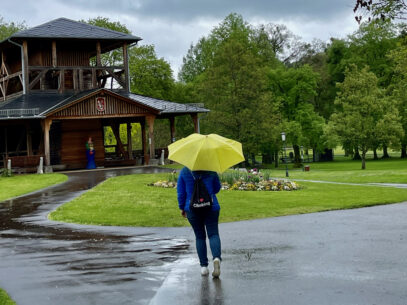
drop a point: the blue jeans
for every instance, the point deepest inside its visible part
(210, 222)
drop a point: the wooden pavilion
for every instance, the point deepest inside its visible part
(54, 95)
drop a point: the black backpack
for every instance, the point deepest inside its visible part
(201, 201)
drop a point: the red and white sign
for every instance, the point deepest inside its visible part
(100, 104)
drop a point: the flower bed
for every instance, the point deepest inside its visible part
(262, 185)
(253, 180)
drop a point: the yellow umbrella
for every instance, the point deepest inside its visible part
(206, 152)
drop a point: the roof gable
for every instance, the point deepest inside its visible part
(67, 28)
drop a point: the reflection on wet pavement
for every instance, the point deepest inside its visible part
(44, 262)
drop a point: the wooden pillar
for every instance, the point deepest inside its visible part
(98, 54)
(116, 131)
(172, 128)
(194, 117)
(75, 79)
(25, 68)
(61, 81)
(150, 122)
(126, 68)
(80, 79)
(129, 141)
(95, 73)
(46, 126)
(144, 140)
(29, 140)
(54, 53)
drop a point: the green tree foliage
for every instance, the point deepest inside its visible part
(9, 28)
(150, 75)
(380, 10)
(365, 115)
(114, 57)
(228, 72)
(398, 88)
(369, 46)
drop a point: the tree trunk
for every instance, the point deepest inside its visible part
(356, 155)
(276, 159)
(403, 151)
(297, 156)
(385, 153)
(267, 158)
(363, 159)
(253, 158)
(375, 154)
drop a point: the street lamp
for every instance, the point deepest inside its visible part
(285, 157)
(302, 157)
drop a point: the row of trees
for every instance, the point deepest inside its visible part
(262, 80)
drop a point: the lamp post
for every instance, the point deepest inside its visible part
(302, 157)
(285, 157)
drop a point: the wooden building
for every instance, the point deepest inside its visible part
(54, 95)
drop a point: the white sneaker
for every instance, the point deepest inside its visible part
(216, 267)
(204, 271)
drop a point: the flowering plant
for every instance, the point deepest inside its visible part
(254, 180)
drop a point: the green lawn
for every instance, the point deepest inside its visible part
(22, 184)
(392, 170)
(128, 201)
(5, 299)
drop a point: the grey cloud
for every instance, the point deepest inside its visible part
(188, 10)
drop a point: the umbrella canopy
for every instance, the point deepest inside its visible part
(206, 152)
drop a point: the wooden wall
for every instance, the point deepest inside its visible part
(75, 134)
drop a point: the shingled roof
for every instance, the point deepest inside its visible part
(40, 104)
(63, 28)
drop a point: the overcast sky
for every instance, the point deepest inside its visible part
(172, 25)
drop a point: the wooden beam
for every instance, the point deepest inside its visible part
(194, 117)
(80, 79)
(75, 79)
(150, 122)
(129, 142)
(118, 79)
(172, 129)
(94, 79)
(31, 68)
(126, 67)
(29, 140)
(144, 140)
(61, 88)
(36, 79)
(10, 76)
(98, 54)
(54, 54)
(46, 126)
(116, 132)
(25, 68)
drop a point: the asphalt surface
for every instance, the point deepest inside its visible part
(342, 257)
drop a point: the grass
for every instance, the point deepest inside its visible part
(128, 201)
(5, 299)
(392, 170)
(22, 184)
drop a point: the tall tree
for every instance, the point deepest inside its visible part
(366, 113)
(294, 91)
(150, 75)
(398, 87)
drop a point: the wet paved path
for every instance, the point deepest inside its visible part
(340, 257)
(44, 262)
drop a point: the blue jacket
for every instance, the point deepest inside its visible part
(185, 187)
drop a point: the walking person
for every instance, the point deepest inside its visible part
(203, 223)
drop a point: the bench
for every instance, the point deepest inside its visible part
(23, 163)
